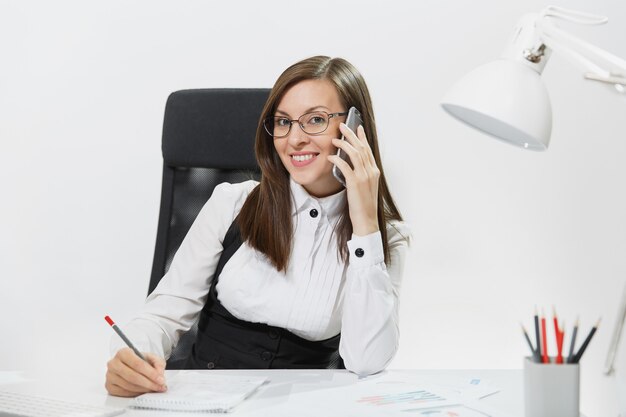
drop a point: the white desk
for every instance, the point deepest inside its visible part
(283, 396)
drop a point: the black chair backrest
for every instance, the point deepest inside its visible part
(208, 138)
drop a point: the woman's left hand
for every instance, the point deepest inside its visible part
(361, 181)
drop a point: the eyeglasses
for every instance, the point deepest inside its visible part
(312, 123)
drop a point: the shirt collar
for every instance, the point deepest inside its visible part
(329, 206)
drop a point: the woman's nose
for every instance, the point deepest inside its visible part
(297, 136)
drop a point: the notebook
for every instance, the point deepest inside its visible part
(201, 392)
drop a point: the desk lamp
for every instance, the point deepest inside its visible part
(507, 99)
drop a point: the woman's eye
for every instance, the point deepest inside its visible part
(282, 122)
(317, 120)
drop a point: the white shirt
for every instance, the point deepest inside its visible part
(316, 298)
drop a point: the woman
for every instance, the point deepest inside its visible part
(288, 272)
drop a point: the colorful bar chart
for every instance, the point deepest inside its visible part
(412, 397)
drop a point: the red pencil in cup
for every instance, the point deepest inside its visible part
(560, 358)
(559, 335)
(124, 338)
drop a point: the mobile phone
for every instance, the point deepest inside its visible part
(353, 121)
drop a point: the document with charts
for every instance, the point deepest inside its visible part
(201, 392)
(385, 395)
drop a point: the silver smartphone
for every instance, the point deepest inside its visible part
(352, 121)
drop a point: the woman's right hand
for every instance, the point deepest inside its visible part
(128, 375)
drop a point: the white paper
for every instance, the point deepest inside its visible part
(395, 395)
(196, 391)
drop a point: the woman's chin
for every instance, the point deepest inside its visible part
(319, 187)
(304, 178)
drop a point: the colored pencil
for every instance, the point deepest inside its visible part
(580, 352)
(561, 342)
(544, 339)
(558, 334)
(570, 357)
(537, 338)
(530, 344)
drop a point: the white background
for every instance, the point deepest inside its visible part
(497, 230)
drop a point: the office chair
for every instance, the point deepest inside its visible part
(208, 138)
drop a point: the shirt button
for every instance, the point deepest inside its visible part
(359, 252)
(313, 213)
(266, 356)
(210, 365)
(273, 334)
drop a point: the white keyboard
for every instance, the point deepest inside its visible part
(14, 405)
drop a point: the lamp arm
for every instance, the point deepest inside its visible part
(574, 16)
(617, 332)
(583, 54)
(550, 37)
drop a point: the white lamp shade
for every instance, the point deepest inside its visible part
(505, 99)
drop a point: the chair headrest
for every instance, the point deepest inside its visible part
(212, 128)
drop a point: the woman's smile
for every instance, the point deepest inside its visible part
(302, 159)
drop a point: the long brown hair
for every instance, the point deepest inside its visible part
(265, 218)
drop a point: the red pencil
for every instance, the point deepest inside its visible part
(559, 358)
(124, 338)
(544, 339)
(559, 337)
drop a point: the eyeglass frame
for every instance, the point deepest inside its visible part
(292, 121)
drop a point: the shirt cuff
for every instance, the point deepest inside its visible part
(366, 251)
